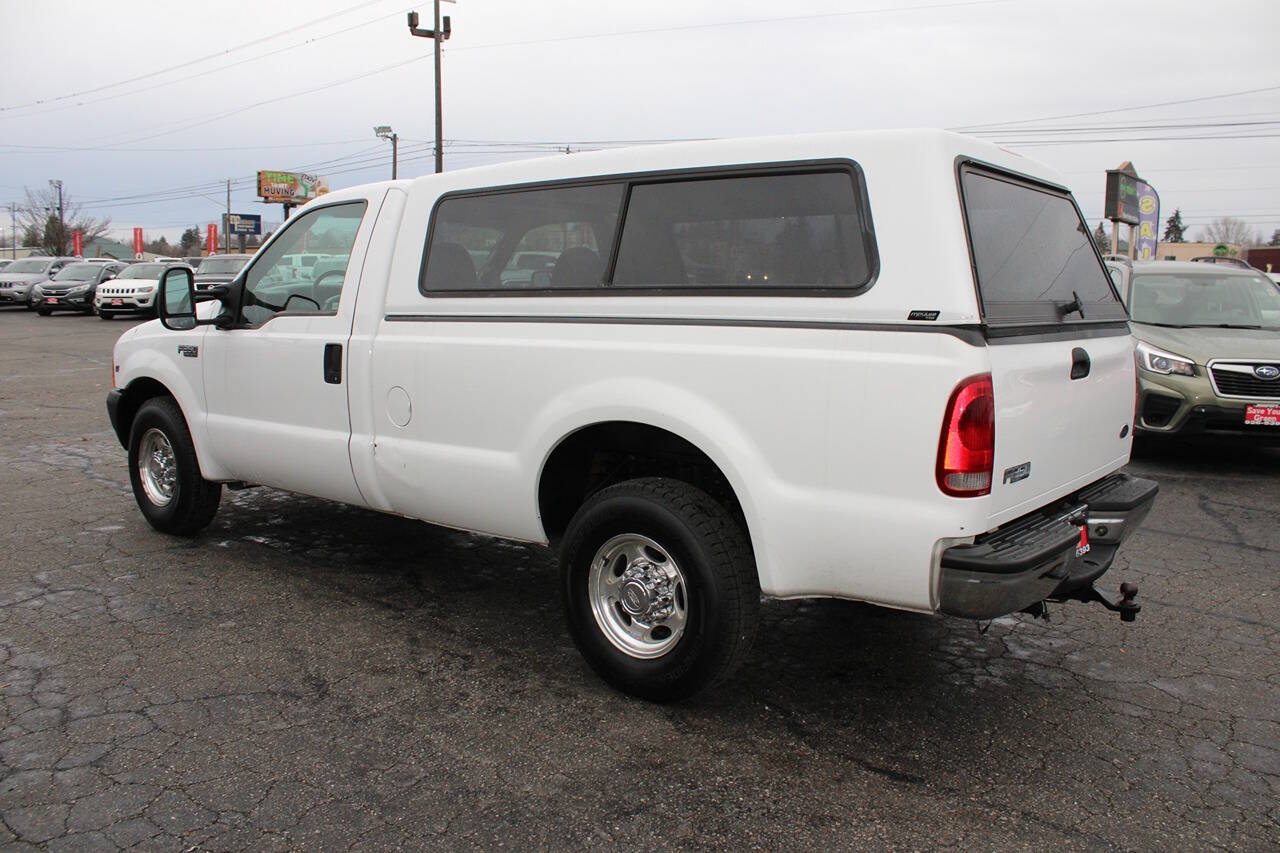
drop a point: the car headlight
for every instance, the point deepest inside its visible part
(146, 288)
(1155, 360)
(75, 291)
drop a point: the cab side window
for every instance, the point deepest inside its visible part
(304, 269)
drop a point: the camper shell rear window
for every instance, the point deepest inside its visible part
(1034, 261)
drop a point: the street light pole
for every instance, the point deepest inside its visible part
(437, 34)
(385, 132)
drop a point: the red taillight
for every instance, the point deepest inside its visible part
(967, 448)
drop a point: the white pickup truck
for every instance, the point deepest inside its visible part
(883, 366)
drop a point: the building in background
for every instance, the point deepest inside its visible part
(1187, 251)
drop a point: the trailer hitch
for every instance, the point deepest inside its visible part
(1124, 604)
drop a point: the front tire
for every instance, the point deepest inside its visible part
(660, 588)
(43, 312)
(105, 315)
(165, 474)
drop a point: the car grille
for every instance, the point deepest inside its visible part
(1229, 383)
(62, 291)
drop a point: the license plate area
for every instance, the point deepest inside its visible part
(1262, 414)
(52, 300)
(117, 301)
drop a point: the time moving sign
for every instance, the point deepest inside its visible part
(290, 187)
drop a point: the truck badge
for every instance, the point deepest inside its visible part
(1017, 473)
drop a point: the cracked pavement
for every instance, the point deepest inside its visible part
(306, 675)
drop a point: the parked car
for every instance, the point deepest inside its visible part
(73, 288)
(219, 269)
(18, 280)
(1208, 353)
(133, 291)
(193, 261)
(4, 262)
(739, 385)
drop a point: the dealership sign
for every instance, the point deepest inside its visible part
(1148, 228)
(213, 237)
(244, 224)
(137, 243)
(77, 244)
(290, 187)
(1122, 203)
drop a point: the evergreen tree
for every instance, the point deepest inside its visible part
(1275, 238)
(190, 242)
(1101, 240)
(1174, 230)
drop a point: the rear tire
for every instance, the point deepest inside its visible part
(43, 312)
(165, 474)
(660, 588)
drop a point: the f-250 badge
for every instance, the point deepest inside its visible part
(1017, 472)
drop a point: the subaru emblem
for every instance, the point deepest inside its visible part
(1266, 371)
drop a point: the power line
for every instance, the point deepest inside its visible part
(742, 23)
(38, 149)
(277, 99)
(196, 61)
(206, 73)
(1119, 109)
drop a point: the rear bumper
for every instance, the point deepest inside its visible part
(1042, 555)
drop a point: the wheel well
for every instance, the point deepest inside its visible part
(138, 392)
(606, 453)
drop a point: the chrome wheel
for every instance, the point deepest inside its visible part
(157, 468)
(638, 596)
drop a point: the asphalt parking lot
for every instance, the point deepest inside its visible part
(311, 676)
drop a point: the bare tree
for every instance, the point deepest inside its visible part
(42, 226)
(1228, 229)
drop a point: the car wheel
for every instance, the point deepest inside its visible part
(105, 315)
(164, 471)
(660, 588)
(44, 312)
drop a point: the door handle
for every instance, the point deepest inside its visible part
(333, 364)
(1079, 363)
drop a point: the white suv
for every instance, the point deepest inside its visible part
(878, 366)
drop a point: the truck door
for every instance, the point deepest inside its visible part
(276, 382)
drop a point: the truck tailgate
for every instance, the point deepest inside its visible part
(1054, 433)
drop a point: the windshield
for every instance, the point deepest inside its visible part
(222, 266)
(1205, 299)
(78, 272)
(152, 271)
(28, 265)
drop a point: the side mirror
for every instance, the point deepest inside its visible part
(177, 302)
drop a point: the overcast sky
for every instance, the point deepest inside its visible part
(210, 91)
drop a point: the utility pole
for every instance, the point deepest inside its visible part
(437, 35)
(13, 229)
(383, 131)
(62, 222)
(226, 223)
